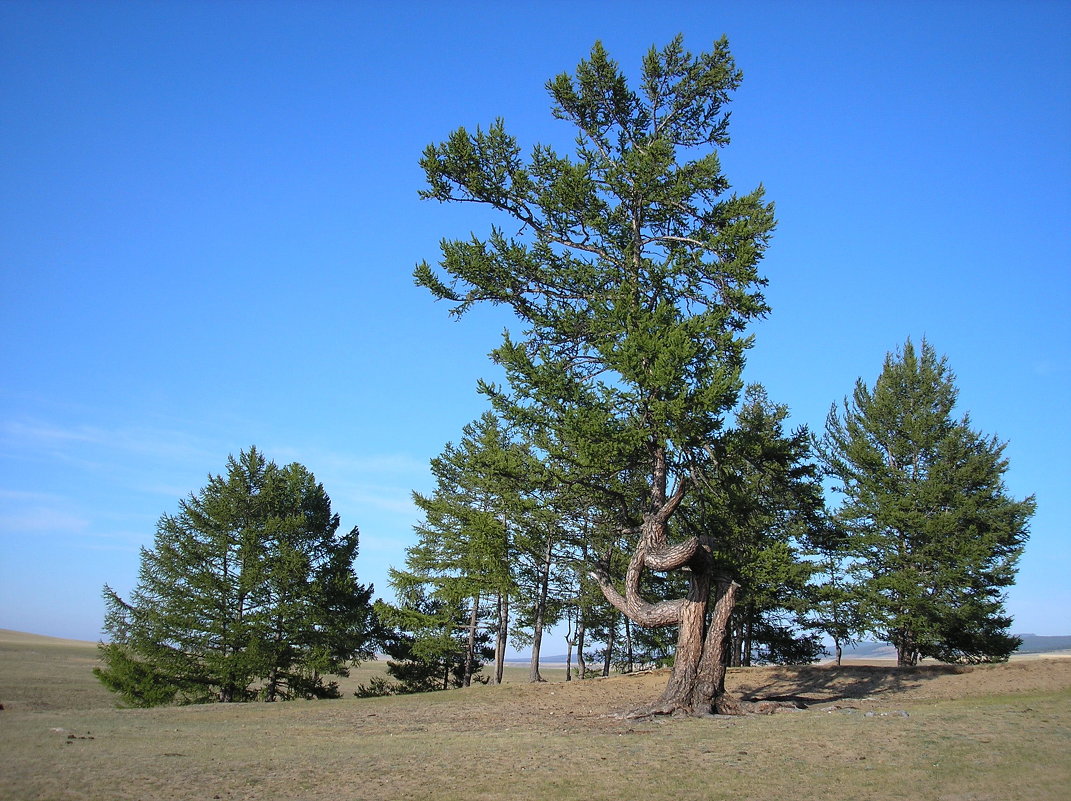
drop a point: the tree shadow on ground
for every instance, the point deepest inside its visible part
(829, 684)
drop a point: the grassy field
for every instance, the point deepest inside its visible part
(1000, 732)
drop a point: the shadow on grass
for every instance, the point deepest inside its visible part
(825, 684)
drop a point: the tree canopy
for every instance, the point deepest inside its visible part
(932, 532)
(248, 591)
(633, 270)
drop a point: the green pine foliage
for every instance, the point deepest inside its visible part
(833, 608)
(633, 271)
(763, 496)
(429, 644)
(933, 535)
(466, 539)
(247, 592)
(485, 542)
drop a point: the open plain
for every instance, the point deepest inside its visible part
(867, 732)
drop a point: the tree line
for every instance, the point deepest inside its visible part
(624, 482)
(917, 553)
(632, 269)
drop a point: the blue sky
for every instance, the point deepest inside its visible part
(209, 220)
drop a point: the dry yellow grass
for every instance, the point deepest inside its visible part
(988, 733)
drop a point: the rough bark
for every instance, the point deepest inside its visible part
(690, 642)
(709, 694)
(697, 682)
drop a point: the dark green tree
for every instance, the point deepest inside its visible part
(248, 591)
(430, 643)
(834, 606)
(471, 537)
(633, 270)
(934, 534)
(765, 495)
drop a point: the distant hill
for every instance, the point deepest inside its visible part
(1032, 644)
(25, 638)
(868, 650)
(1035, 644)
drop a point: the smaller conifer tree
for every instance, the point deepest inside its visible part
(934, 536)
(248, 591)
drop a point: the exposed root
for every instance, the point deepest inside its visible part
(725, 706)
(770, 707)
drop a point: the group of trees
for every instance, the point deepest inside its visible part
(632, 270)
(623, 483)
(918, 552)
(248, 592)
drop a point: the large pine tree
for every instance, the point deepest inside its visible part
(632, 268)
(248, 591)
(934, 535)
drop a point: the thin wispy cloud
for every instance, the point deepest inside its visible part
(29, 496)
(39, 433)
(41, 520)
(391, 500)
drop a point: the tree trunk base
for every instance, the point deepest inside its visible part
(725, 706)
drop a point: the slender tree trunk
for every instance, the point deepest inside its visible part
(611, 635)
(570, 641)
(272, 690)
(470, 646)
(541, 610)
(628, 646)
(840, 653)
(736, 642)
(581, 631)
(745, 656)
(500, 638)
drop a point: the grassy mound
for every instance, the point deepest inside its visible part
(990, 732)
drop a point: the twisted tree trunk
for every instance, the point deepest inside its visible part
(697, 682)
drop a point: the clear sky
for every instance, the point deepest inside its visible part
(209, 220)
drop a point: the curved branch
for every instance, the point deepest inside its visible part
(670, 506)
(672, 558)
(663, 613)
